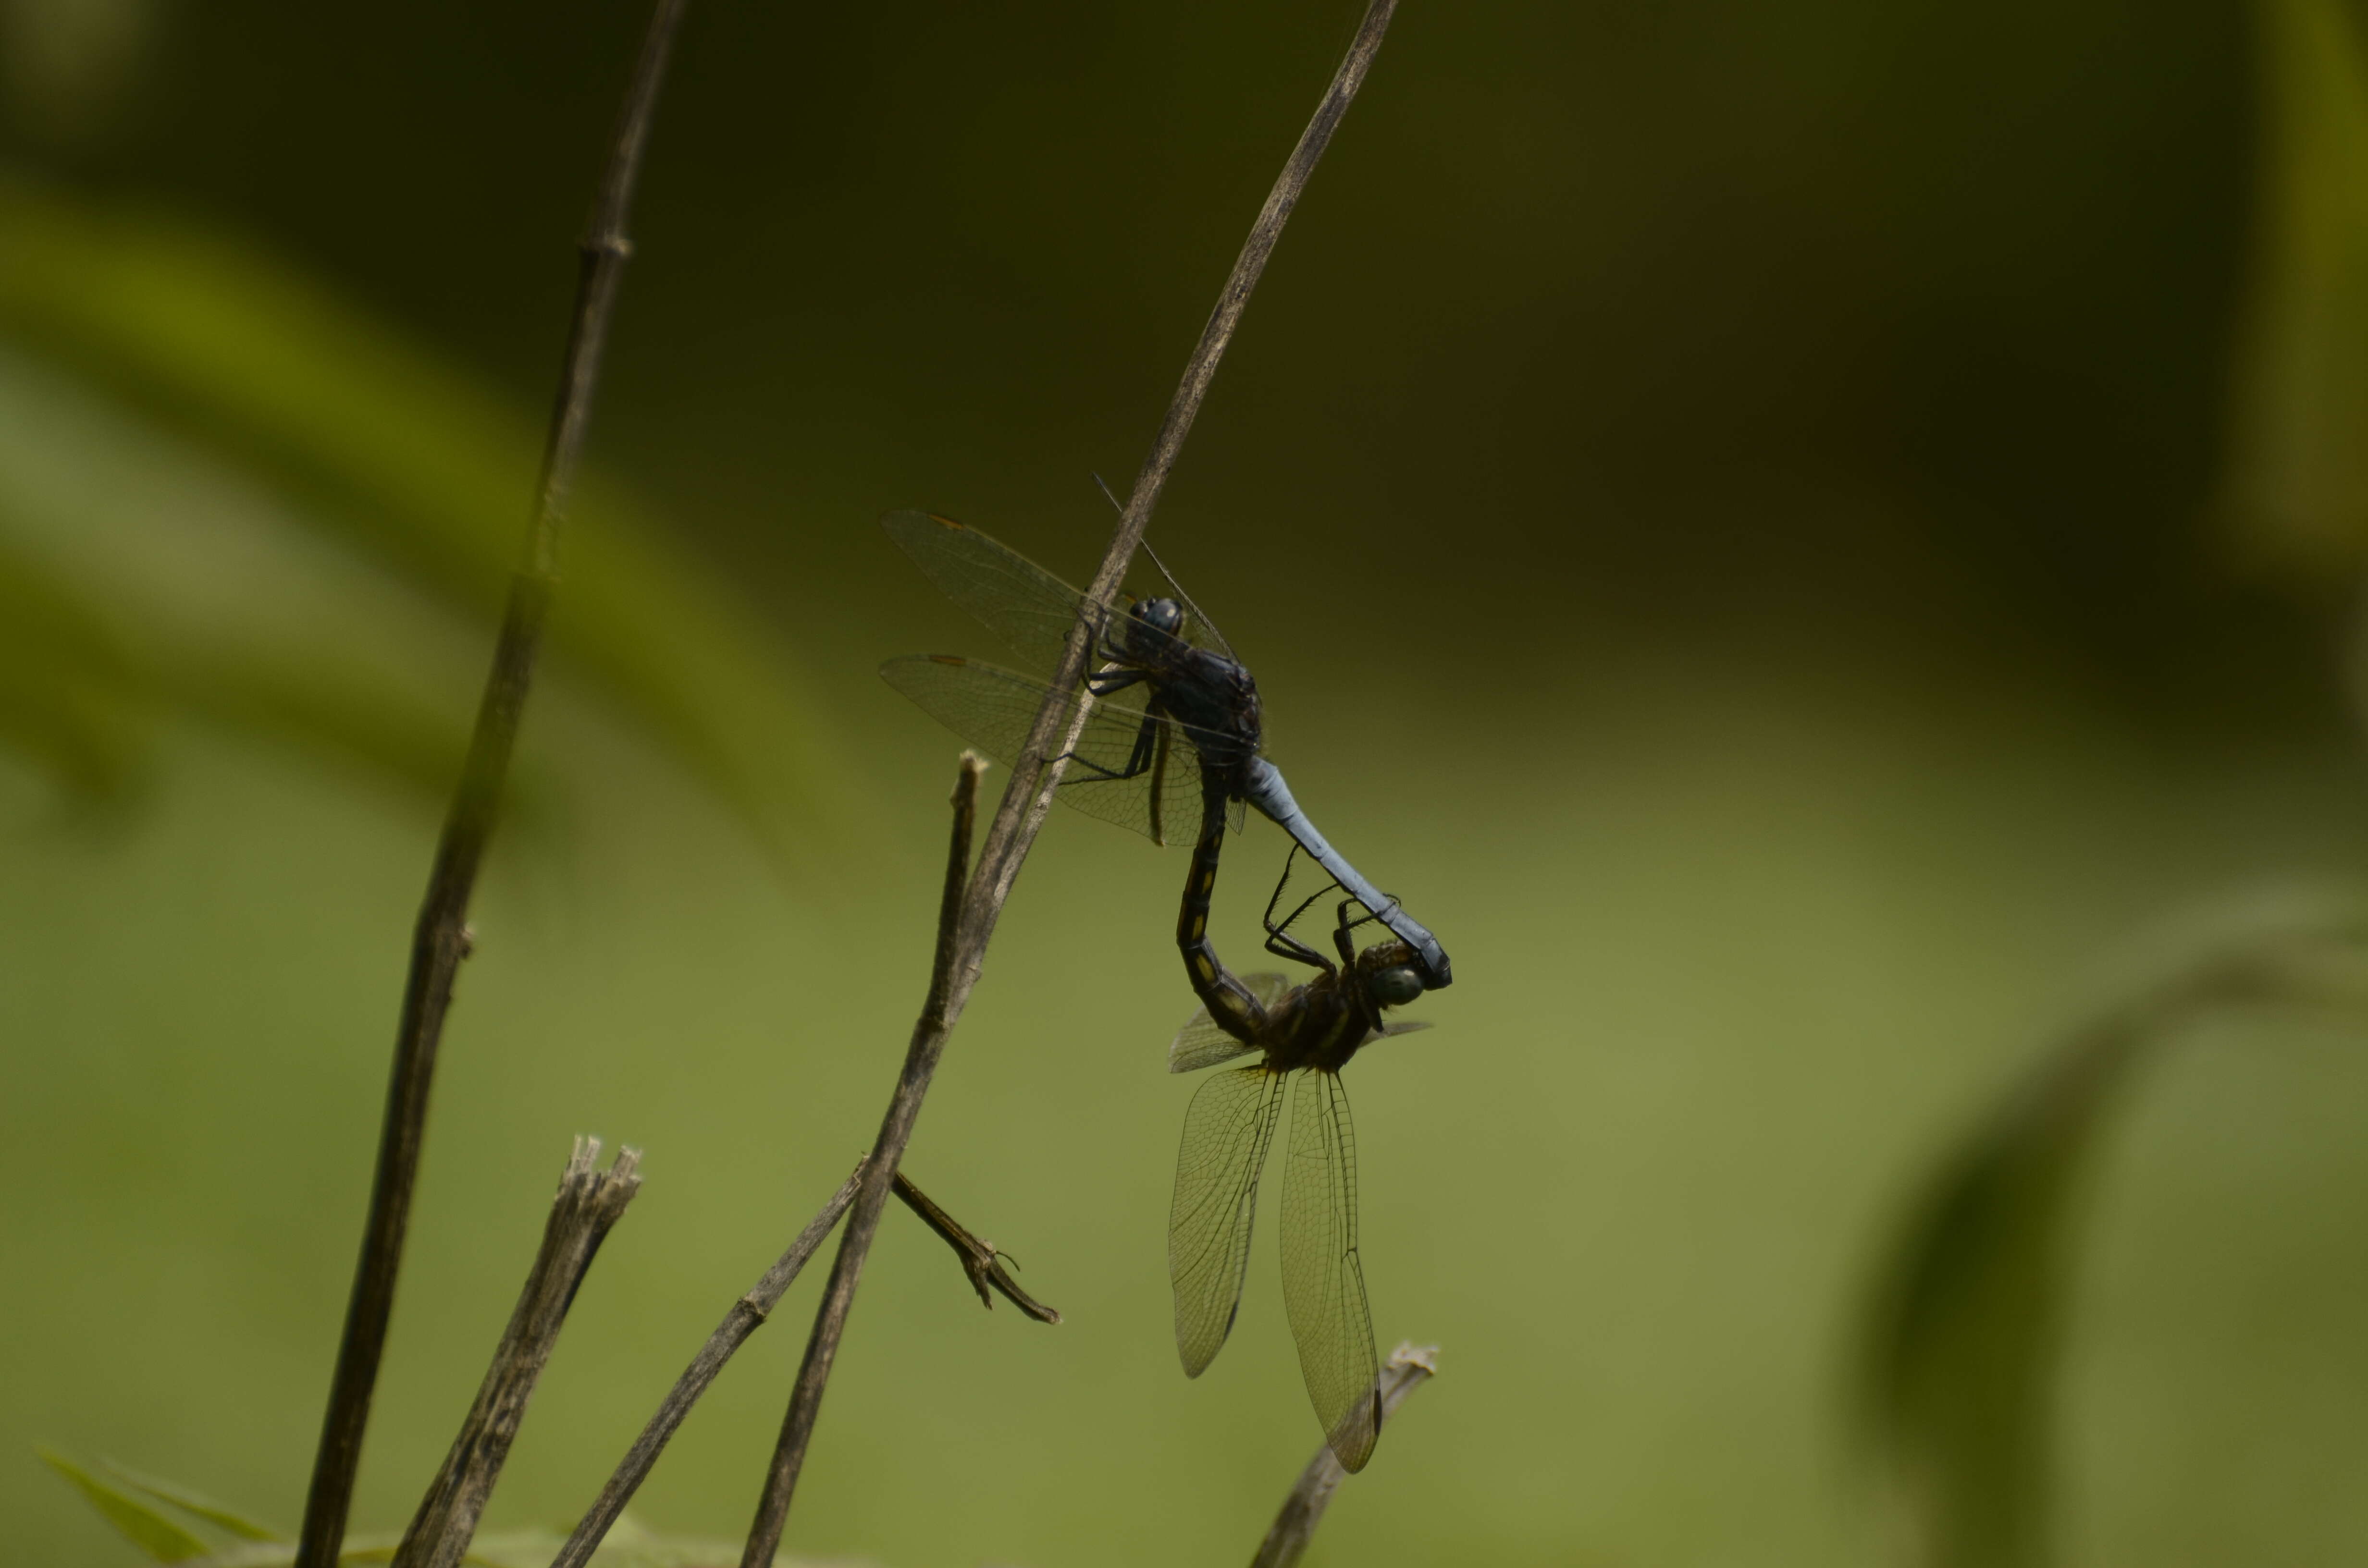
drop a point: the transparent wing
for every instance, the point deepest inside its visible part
(1024, 604)
(1138, 769)
(1225, 1134)
(1020, 602)
(1202, 1043)
(1323, 1283)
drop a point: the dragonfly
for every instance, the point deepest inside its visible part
(1308, 1032)
(1136, 765)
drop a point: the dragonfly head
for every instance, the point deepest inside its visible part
(1389, 973)
(1164, 618)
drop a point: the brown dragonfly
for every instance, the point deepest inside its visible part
(1308, 1032)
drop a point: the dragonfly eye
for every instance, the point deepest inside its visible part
(1396, 986)
(1161, 615)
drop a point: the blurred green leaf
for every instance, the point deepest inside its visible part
(628, 1545)
(348, 435)
(161, 1537)
(147, 578)
(69, 694)
(193, 1504)
(2298, 485)
(1959, 1349)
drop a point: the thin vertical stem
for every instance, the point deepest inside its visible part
(441, 938)
(1028, 797)
(822, 1344)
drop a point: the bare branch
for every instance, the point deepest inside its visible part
(1201, 368)
(588, 1203)
(982, 1262)
(747, 1316)
(441, 938)
(1408, 1367)
(830, 1319)
(1028, 797)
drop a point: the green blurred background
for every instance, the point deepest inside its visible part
(1792, 536)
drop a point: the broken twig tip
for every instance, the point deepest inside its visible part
(981, 1261)
(1409, 1354)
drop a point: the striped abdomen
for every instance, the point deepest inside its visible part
(1230, 1003)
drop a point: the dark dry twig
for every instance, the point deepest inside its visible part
(440, 939)
(967, 923)
(1408, 1367)
(589, 1202)
(821, 1342)
(747, 1316)
(980, 1262)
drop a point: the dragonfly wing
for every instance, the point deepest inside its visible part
(1323, 1282)
(1267, 987)
(1203, 1043)
(1226, 1136)
(1024, 604)
(1120, 770)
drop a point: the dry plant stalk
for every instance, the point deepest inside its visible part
(747, 1316)
(440, 939)
(1408, 1367)
(982, 1264)
(970, 912)
(588, 1203)
(822, 1345)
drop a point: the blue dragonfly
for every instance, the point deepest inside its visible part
(1168, 705)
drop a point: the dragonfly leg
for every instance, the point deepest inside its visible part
(1278, 940)
(1097, 773)
(1138, 761)
(1340, 934)
(1283, 945)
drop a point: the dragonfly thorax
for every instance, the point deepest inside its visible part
(1219, 700)
(1325, 1022)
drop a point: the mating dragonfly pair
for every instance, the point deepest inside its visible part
(1135, 763)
